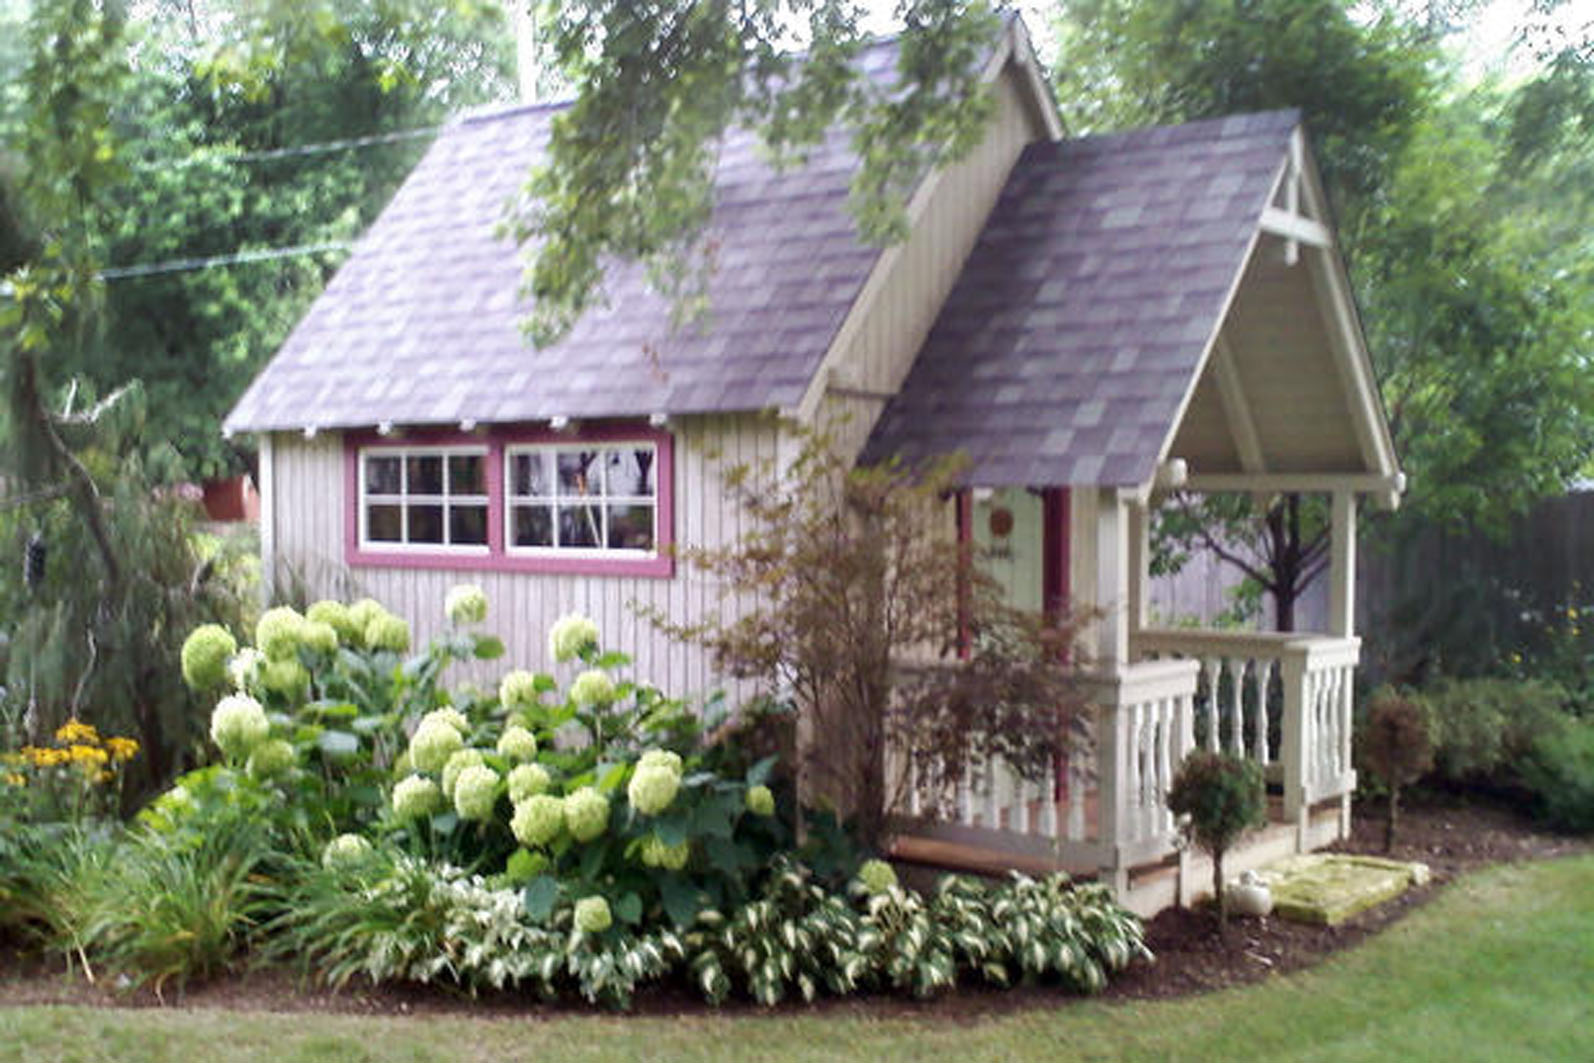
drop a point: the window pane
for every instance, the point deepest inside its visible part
(426, 523)
(630, 472)
(580, 526)
(533, 526)
(384, 524)
(630, 527)
(382, 476)
(529, 477)
(580, 473)
(467, 474)
(467, 525)
(426, 475)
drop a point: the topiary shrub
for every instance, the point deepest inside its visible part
(1397, 746)
(1218, 797)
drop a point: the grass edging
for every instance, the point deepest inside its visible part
(1494, 968)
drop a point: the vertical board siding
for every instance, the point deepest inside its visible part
(308, 530)
(877, 350)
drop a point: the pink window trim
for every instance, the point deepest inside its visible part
(497, 558)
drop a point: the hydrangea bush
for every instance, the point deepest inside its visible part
(568, 832)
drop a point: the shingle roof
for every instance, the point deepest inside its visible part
(1080, 318)
(422, 325)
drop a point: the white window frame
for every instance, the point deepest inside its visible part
(404, 499)
(514, 500)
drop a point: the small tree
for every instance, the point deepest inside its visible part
(1219, 797)
(850, 596)
(1398, 747)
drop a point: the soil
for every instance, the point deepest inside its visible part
(1449, 835)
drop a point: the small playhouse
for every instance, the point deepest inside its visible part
(1092, 321)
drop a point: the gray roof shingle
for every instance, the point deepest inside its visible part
(422, 325)
(1079, 320)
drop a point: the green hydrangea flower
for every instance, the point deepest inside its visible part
(402, 765)
(453, 717)
(517, 743)
(518, 690)
(345, 852)
(457, 763)
(319, 636)
(570, 635)
(361, 613)
(670, 857)
(388, 632)
(205, 655)
(466, 604)
(432, 744)
(277, 634)
(286, 677)
(527, 780)
(538, 820)
(586, 814)
(245, 666)
(760, 801)
(336, 616)
(592, 688)
(476, 792)
(877, 876)
(416, 797)
(270, 759)
(238, 725)
(592, 915)
(653, 787)
(662, 758)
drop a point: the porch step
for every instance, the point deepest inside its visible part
(976, 859)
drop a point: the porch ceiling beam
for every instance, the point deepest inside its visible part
(1307, 482)
(1226, 374)
(1296, 227)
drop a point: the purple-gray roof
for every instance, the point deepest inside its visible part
(422, 325)
(1080, 319)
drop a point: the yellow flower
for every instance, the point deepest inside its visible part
(122, 748)
(75, 732)
(16, 780)
(81, 754)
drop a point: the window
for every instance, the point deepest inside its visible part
(428, 497)
(595, 501)
(582, 498)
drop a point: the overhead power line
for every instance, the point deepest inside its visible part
(327, 147)
(189, 265)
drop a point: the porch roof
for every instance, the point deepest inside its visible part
(1118, 277)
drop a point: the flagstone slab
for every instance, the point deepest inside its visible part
(1329, 888)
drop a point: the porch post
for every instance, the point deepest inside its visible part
(1139, 562)
(1112, 580)
(1342, 566)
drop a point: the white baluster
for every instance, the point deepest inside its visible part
(1236, 690)
(1131, 785)
(1261, 680)
(1167, 724)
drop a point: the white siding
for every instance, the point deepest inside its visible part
(309, 514)
(882, 336)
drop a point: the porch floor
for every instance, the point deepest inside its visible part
(1182, 878)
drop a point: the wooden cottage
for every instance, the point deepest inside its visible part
(1091, 321)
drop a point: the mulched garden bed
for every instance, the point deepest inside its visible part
(1449, 835)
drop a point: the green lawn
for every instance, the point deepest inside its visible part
(1500, 968)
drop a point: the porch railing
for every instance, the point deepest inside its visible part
(1102, 808)
(1281, 699)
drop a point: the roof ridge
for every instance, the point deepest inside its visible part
(1294, 115)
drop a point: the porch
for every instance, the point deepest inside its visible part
(1283, 700)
